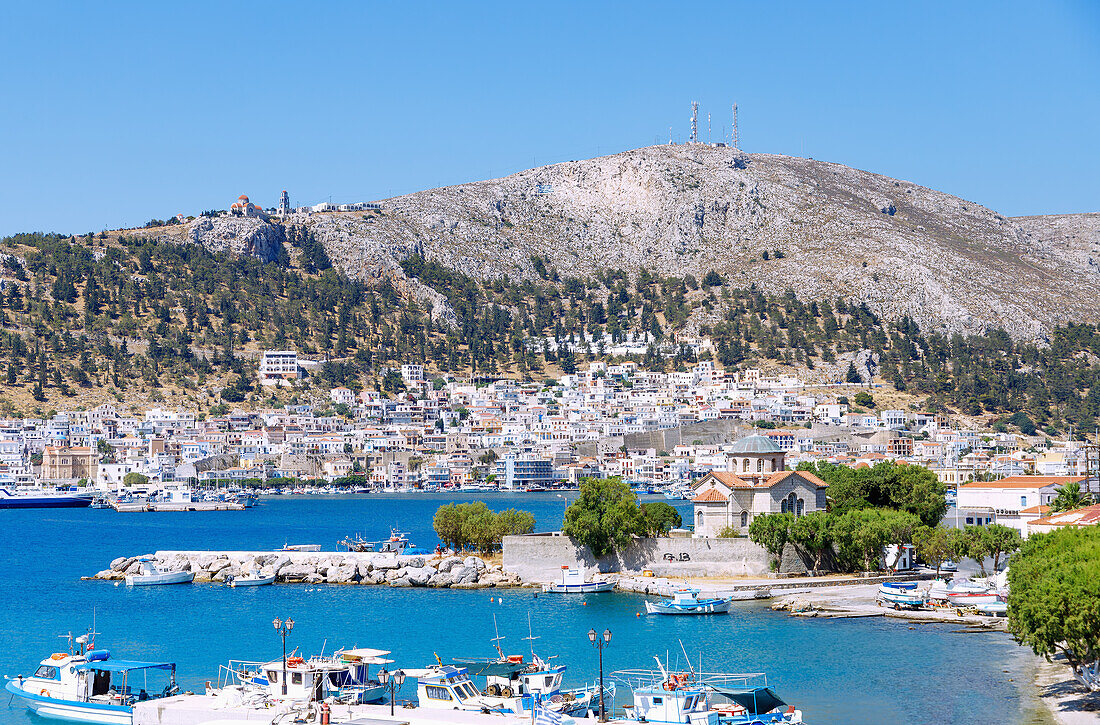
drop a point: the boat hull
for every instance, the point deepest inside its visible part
(71, 710)
(153, 580)
(252, 582)
(45, 502)
(586, 588)
(968, 599)
(715, 607)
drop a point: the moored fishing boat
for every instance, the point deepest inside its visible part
(254, 579)
(688, 601)
(151, 576)
(573, 581)
(88, 685)
(696, 698)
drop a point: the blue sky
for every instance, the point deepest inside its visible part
(115, 113)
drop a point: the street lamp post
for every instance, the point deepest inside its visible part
(283, 629)
(599, 642)
(391, 682)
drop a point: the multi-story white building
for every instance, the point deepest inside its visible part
(278, 366)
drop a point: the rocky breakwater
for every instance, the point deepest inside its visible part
(455, 572)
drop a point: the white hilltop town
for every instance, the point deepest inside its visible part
(729, 441)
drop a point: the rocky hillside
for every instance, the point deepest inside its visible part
(687, 209)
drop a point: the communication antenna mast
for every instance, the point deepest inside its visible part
(694, 121)
(736, 137)
(708, 127)
(670, 135)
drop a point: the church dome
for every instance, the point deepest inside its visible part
(755, 444)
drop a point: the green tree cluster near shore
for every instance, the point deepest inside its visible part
(872, 508)
(128, 312)
(473, 525)
(606, 516)
(1054, 598)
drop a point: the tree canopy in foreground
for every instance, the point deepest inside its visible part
(1054, 599)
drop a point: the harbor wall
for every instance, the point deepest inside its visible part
(540, 557)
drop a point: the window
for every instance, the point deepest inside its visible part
(437, 693)
(799, 508)
(1023, 501)
(969, 519)
(760, 465)
(46, 672)
(658, 700)
(295, 678)
(273, 676)
(744, 519)
(783, 506)
(745, 465)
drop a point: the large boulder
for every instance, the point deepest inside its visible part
(122, 563)
(440, 579)
(386, 562)
(295, 572)
(475, 562)
(400, 582)
(419, 576)
(224, 573)
(463, 575)
(346, 574)
(106, 574)
(313, 579)
(449, 563)
(218, 565)
(280, 563)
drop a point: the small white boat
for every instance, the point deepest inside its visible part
(993, 609)
(250, 580)
(687, 601)
(573, 582)
(151, 576)
(301, 547)
(970, 599)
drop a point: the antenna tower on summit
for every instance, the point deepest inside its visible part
(694, 122)
(708, 128)
(736, 138)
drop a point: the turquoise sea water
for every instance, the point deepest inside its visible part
(840, 671)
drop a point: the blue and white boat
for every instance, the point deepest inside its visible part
(42, 499)
(92, 687)
(693, 698)
(688, 601)
(901, 594)
(573, 582)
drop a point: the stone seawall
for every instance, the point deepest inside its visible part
(540, 557)
(319, 567)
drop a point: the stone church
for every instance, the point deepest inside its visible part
(758, 484)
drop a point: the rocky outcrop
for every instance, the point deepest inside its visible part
(238, 235)
(326, 568)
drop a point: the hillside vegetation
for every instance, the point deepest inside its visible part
(87, 319)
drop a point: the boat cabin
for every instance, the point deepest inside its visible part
(672, 701)
(345, 675)
(512, 676)
(447, 687)
(97, 679)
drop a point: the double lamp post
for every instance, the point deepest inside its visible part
(283, 628)
(599, 642)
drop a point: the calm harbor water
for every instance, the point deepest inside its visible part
(841, 671)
